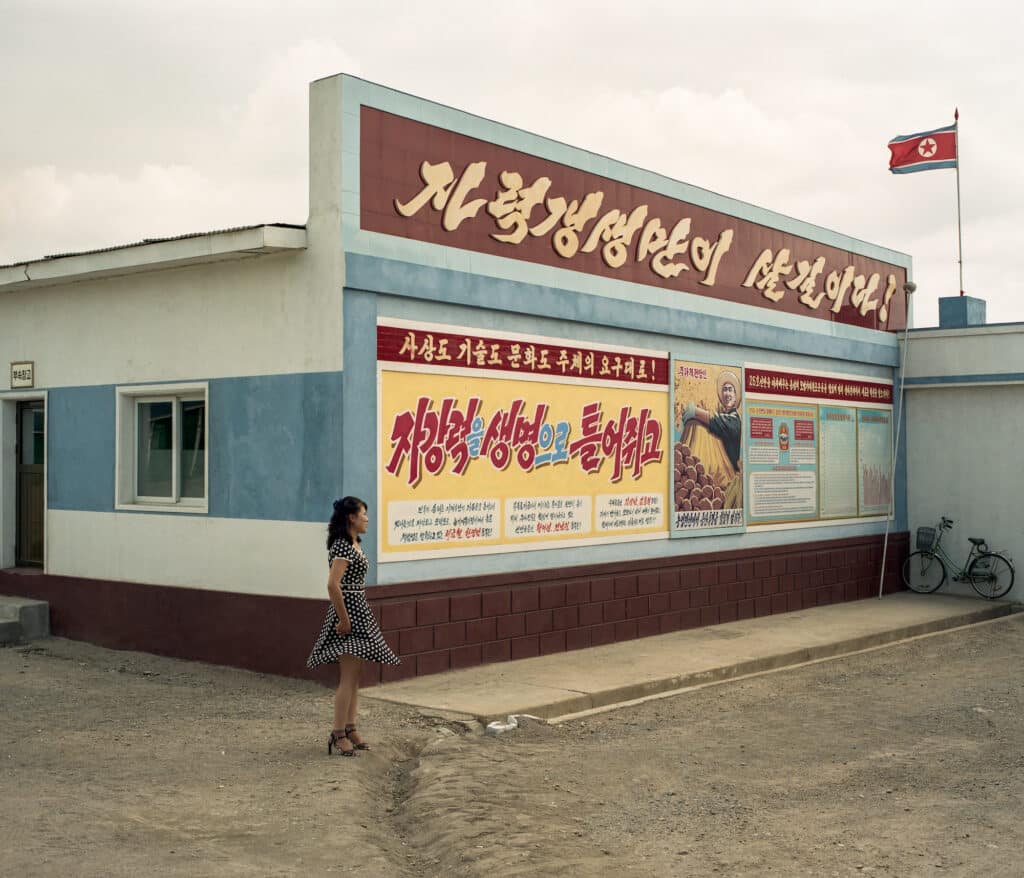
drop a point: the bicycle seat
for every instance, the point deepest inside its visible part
(978, 541)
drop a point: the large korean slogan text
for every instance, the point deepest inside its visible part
(525, 455)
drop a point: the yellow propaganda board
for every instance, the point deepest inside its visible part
(494, 443)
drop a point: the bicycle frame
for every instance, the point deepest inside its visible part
(958, 572)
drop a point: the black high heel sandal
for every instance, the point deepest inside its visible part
(362, 745)
(335, 741)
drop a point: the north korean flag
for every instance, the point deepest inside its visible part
(924, 151)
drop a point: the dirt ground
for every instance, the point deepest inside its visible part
(904, 761)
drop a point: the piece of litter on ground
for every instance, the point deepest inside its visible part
(498, 727)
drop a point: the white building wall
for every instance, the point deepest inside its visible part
(965, 420)
(966, 353)
(257, 316)
(228, 554)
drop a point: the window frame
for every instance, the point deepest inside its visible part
(126, 464)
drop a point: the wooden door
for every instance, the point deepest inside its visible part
(31, 452)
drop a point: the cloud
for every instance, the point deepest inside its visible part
(252, 169)
(270, 127)
(83, 210)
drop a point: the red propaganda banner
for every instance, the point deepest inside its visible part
(773, 383)
(438, 347)
(429, 184)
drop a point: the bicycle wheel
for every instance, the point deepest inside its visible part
(923, 572)
(991, 575)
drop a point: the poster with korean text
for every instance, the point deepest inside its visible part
(818, 446)
(490, 442)
(782, 462)
(707, 436)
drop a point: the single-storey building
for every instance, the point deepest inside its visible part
(584, 402)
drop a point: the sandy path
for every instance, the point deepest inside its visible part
(905, 761)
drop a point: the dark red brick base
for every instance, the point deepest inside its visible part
(442, 625)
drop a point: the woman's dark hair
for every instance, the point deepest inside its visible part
(337, 527)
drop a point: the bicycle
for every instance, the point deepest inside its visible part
(990, 573)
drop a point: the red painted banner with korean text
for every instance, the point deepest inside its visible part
(478, 350)
(767, 381)
(477, 458)
(426, 183)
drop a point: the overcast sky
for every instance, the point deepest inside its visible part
(129, 120)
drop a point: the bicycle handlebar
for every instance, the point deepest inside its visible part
(947, 523)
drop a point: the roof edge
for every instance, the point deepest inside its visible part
(154, 254)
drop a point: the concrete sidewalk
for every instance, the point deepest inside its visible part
(562, 685)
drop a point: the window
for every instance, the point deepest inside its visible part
(161, 447)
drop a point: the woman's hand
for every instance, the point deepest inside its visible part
(344, 625)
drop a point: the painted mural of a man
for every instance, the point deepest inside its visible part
(725, 424)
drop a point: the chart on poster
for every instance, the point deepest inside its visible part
(838, 461)
(874, 455)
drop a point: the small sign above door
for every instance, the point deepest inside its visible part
(22, 376)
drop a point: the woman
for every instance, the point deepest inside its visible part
(350, 634)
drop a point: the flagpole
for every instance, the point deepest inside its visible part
(959, 227)
(908, 288)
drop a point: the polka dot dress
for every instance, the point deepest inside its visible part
(364, 640)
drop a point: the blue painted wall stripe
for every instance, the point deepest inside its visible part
(275, 446)
(987, 378)
(455, 287)
(80, 448)
(626, 294)
(359, 428)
